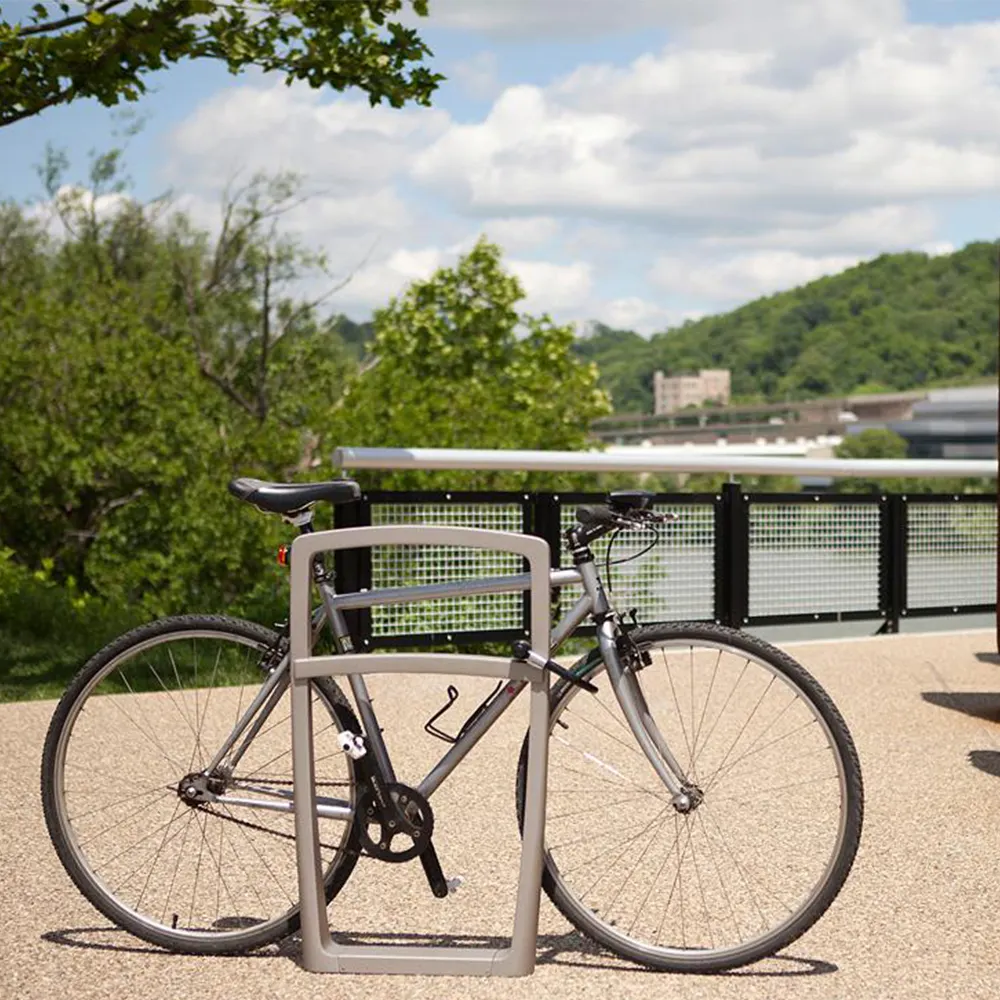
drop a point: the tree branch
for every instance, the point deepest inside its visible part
(67, 22)
(205, 368)
(265, 335)
(8, 118)
(332, 290)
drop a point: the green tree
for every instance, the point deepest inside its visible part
(458, 366)
(143, 364)
(874, 442)
(105, 50)
(881, 443)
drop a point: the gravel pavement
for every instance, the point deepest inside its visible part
(918, 918)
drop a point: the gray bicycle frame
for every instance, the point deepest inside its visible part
(626, 689)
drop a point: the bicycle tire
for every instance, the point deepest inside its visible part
(63, 838)
(592, 926)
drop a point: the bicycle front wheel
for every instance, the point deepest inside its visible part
(778, 813)
(145, 714)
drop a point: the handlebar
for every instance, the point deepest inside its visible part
(597, 520)
(603, 514)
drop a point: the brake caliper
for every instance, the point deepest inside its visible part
(631, 655)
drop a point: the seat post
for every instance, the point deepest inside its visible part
(303, 520)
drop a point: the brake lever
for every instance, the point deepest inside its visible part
(641, 518)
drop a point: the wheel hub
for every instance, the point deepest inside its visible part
(196, 789)
(690, 798)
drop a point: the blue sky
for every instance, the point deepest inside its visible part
(640, 161)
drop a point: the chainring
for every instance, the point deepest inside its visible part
(408, 814)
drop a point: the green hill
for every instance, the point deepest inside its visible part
(897, 322)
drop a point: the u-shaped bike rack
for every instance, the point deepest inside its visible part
(320, 953)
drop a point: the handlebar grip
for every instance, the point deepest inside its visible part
(595, 514)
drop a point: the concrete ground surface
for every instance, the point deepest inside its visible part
(919, 916)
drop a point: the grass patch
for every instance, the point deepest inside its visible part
(48, 631)
(35, 667)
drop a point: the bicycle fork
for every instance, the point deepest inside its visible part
(636, 710)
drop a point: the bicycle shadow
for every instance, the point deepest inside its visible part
(570, 949)
(121, 942)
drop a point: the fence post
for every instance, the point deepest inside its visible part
(353, 569)
(732, 557)
(892, 560)
(546, 522)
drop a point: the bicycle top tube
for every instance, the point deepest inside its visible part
(460, 588)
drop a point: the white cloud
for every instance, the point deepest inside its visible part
(374, 284)
(743, 277)
(75, 198)
(714, 20)
(640, 315)
(765, 145)
(516, 234)
(535, 19)
(559, 289)
(937, 248)
(477, 75)
(526, 152)
(339, 143)
(552, 287)
(717, 141)
(882, 228)
(351, 157)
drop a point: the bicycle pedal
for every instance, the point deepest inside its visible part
(454, 884)
(352, 745)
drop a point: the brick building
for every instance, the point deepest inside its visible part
(674, 392)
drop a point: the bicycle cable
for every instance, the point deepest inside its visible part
(637, 555)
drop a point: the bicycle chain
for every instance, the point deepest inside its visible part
(203, 807)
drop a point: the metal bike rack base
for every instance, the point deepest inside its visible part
(320, 953)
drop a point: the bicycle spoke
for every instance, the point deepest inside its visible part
(704, 708)
(173, 878)
(121, 822)
(260, 857)
(628, 746)
(120, 801)
(720, 887)
(719, 774)
(155, 855)
(649, 843)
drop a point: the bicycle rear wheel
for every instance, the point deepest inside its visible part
(759, 859)
(149, 709)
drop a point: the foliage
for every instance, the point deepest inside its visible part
(893, 323)
(49, 628)
(106, 49)
(459, 366)
(145, 362)
(881, 443)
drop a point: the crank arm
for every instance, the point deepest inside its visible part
(432, 869)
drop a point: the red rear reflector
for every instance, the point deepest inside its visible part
(282, 555)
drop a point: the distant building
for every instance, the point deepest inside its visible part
(674, 392)
(947, 423)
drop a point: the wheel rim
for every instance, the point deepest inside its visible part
(628, 885)
(169, 869)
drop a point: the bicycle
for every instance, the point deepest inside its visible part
(215, 799)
